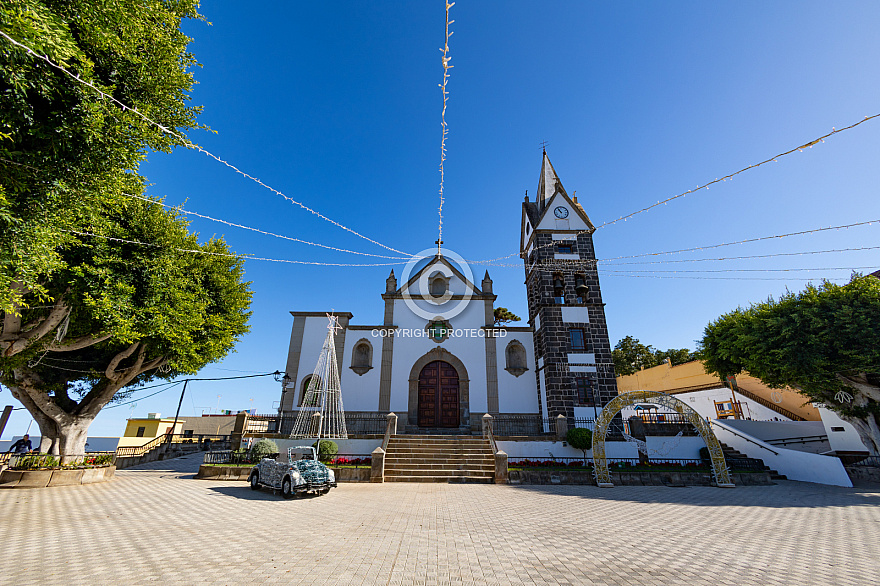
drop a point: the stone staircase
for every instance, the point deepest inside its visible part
(733, 453)
(439, 458)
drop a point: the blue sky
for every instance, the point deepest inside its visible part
(337, 105)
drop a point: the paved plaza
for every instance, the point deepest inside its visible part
(156, 524)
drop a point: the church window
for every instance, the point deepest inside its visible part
(585, 390)
(362, 357)
(438, 287)
(581, 289)
(307, 382)
(439, 330)
(564, 248)
(578, 338)
(558, 288)
(515, 355)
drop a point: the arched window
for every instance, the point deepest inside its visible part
(438, 287)
(515, 355)
(362, 357)
(307, 382)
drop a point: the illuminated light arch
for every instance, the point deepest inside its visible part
(600, 463)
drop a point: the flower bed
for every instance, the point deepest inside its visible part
(50, 462)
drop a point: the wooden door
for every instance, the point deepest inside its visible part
(438, 395)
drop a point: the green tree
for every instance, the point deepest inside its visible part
(822, 341)
(116, 311)
(64, 149)
(580, 438)
(504, 315)
(675, 356)
(631, 356)
(123, 314)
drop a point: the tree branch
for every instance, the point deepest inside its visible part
(20, 342)
(860, 383)
(110, 371)
(78, 344)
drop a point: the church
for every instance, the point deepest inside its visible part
(439, 361)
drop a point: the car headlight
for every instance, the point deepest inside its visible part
(295, 475)
(331, 475)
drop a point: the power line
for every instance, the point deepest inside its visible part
(234, 225)
(446, 68)
(189, 144)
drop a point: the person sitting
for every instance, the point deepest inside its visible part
(22, 446)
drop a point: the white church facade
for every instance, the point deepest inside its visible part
(438, 360)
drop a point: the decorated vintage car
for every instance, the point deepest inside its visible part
(298, 472)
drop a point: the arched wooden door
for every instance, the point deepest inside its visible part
(438, 395)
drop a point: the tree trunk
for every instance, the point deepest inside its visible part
(48, 435)
(48, 427)
(72, 438)
(868, 429)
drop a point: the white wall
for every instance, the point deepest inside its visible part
(703, 402)
(520, 450)
(794, 465)
(471, 350)
(841, 441)
(360, 392)
(517, 394)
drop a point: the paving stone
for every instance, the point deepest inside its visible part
(154, 524)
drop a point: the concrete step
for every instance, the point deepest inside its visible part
(402, 443)
(449, 453)
(441, 472)
(421, 466)
(438, 460)
(448, 479)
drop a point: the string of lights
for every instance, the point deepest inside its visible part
(730, 176)
(242, 256)
(189, 144)
(446, 68)
(786, 270)
(773, 159)
(806, 279)
(234, 225)
(723, 258)
(747, 240)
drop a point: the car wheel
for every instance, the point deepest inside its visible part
(286, 490)
(255, 480)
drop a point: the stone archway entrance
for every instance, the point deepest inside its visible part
(600, 463)
(457, 410)
(438, 395)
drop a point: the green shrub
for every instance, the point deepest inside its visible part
(327, 450)
(580, 438)
(263, 448)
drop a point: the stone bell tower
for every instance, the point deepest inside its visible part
(574, 370)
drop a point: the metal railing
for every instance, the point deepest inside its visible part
(866, 461)
(355, 423)
(797, 440)
(621, 464)
(233, 458)
(131, 451)
(203, 441)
